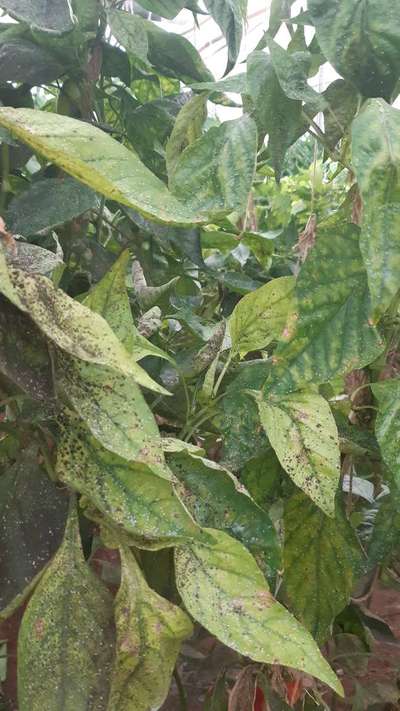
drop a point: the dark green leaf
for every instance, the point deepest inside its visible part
(24, 61)
(165, 8)
(55, 16)
(292, 70)
(230, 16)
(343, 104)
(385, 539)
(187, 128)
(387, 423)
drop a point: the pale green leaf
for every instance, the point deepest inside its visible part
(260, 316)
(361, 40)
(321, 558)
(334, 333)
(97, 160)
(130, 494)
(70, 325)
(376, 160)
(215, 173)
(292, 70)
(65, 640)
(303, 433)
(166, 8)
(224, 590)
(187, 128)
(150, 630)
(129, 31)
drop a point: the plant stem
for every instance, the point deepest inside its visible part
(181, 691)
(222, 373)
(5, 171)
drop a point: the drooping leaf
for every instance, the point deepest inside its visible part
(24, 355)
(260, 316)
(376, 159)
(387, 423)
(361, 40)
(321, 558)
(166, 8)
(65, 640)
(71, 326)
(274, 113)
(292, 71)
(32, 521)
(48, 203)
(55, 17)
(24, 61)
(223, 589)
(130, 494)
(150, 630)
(97, 160)
(342, 106)
(303, 433)
(217, 500)
(333, 334)
(215, 173)
(229, 16)
(187, 128)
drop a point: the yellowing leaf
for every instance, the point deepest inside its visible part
(65, 641)
(224, 590)
(150, 630)
(260, 316)
(303, 433)
(97, 160)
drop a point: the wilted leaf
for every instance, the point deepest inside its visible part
(334, 334)
(260, 317)
(96, 159)
(48, 203)
(223, 589)
(216, 500)
(65, 640)
(215, 173)
(135, 499)
(303, 433)
(150, 630)
(321, 557)
(32, 521)
(376, 159)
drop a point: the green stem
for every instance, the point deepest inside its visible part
(222, 373)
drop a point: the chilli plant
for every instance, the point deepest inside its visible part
(199, 358)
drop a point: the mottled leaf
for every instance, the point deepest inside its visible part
(361, 40)
(333, 334)
(55, 16)
(71, 326)
(342, 106)
(130, 494)
(65, 639)
(215, 173)
(229, 16)
(34, 259)
(223, 589)
(387, 423)
(32, 521)
(292, 70)
(321, 557)
(150, 630)
(166, 8)
(24, 61)
(303, 433)
(217, 500)
(260, 316)
(97, 160)
(187, 128)
(47, 203)
(385, 537)
(376, 160)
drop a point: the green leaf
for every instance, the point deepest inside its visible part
(187, 128)
(216, 499)
(274, 113)
(65, 640)
(215, 173)
(376, 160)
(260, 316)
(54, 17)
(223, 589)
(279, 10)
(387, 423)
(385, 537)
(342, 106)
(130, 494)
(70, 325)
(48, 203)
(35, 259)
(361, 40)
(333, 334)
(32, 520)
(292, 70)
(321, 555)
(129, 31)
(150, 630)
(97, 160)
(229, 16)
(24, 61)
(303, 433)
(166, 8)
